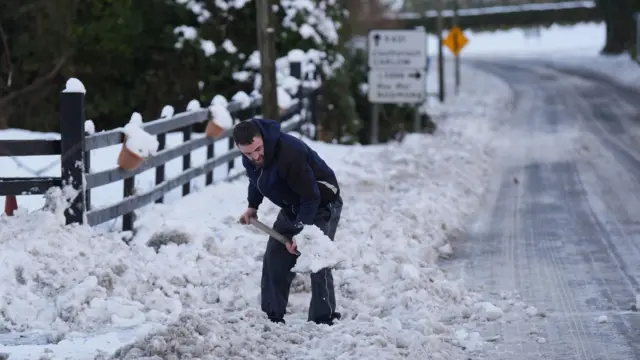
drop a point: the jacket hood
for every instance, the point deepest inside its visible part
(270, 135)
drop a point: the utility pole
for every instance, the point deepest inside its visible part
(455, 42)
(266, 46)
(440, 50)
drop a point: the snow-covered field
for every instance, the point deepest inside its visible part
(577, 46)
(585, 38)
(71, 292)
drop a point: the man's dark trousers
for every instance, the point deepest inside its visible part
(277, 264)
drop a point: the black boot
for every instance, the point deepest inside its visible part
(328, 320)
(277, 320)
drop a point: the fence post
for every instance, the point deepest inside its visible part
(167, 112)
(89, 129)
(210, 154)
(10, 204)
(186, 159)
(313, 110)
(72, 146)
(162, 141)
(87, 170)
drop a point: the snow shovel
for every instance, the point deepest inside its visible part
(269, 231)
(276, 235)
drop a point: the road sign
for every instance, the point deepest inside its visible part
(389, 86)
(455, 40)
(397, 48)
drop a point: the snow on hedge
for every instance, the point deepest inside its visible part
(315, 21)
(318, 23)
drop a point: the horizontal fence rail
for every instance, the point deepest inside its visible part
(74, 149)
(131, 203)
(29, 147)
(28, 186)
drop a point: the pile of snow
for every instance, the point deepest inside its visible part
(89, 127)
(221, 116)
(167, 111)
(220, 100)
(137, 140)
(317, 251)
(188, 283)
(74, 85)
(193, 105)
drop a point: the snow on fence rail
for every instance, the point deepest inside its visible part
(75, 145)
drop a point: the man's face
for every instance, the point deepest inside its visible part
(254, 151)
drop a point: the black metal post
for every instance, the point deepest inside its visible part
(128, 190)
(162, 139)
(72, 150)
(210, 154)
(186, 160)
(87, 170)
(456, 45)
(440, 26)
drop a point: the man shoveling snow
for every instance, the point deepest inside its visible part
(294, 177)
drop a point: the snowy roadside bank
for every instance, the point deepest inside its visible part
(620, 69)
(200, 297)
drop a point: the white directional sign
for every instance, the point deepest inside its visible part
(397, 86)
(397, 49)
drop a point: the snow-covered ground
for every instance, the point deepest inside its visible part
(583, 39)
(70, 292)
(73, 292)
(620, 68)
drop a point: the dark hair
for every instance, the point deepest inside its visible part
(245, 131)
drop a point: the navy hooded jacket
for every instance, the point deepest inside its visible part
(293, 175)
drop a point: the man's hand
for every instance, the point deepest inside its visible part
(292, 247)
(247, 215)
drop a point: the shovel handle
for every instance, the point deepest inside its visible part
(269, 231)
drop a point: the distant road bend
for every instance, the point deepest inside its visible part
(562, 219)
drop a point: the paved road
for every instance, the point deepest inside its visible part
(562, 223)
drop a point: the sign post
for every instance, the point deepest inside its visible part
(397, 70)
(456, 41)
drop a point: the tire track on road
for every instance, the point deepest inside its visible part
(550, 237)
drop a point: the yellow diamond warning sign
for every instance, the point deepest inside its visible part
(455, 40)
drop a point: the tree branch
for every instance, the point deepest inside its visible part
(39, 82)
(7, 54)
